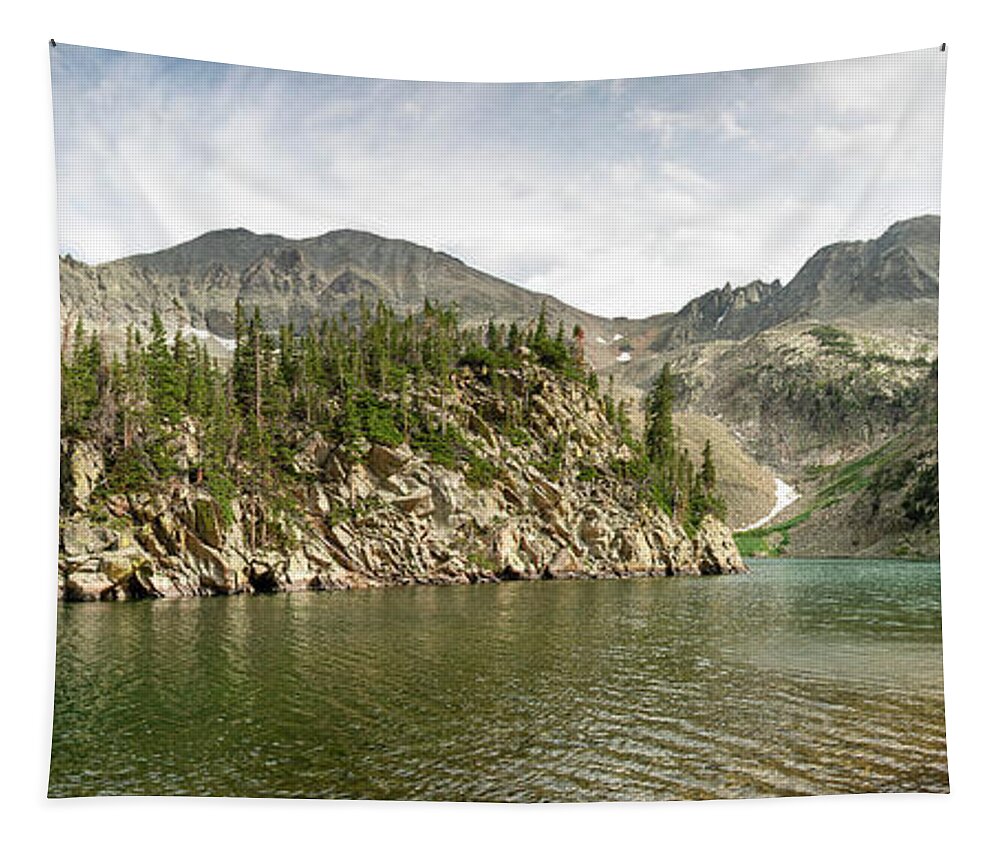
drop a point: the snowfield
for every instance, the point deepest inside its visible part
(204, 334)
(784, 495)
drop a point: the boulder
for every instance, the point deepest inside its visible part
(162, 585)
(565, 565)
(317, 500)
(299, 572)
(84, 468)
(119, 565)
(545, 495)
(213, 570)
(208, 523)
(419, 502)
(358, 484)
(447, 488)
(342, 536)
(504, 547)
(634, 548)
(715, 550)
(312, 453)
(86, 586)
(384, 461)
(336, 469)
(479, 427)
(79, 537)
(595, 532)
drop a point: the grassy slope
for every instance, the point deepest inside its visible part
(866, 507)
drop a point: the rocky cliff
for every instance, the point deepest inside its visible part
(390, 515)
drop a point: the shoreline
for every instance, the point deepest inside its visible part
(468, 579)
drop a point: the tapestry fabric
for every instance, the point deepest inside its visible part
(352, 368)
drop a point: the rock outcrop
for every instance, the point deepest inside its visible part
(394, 517)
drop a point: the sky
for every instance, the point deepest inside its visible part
(622, 197)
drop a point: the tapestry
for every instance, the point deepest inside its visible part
(510, 442)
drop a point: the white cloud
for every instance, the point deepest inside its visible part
(668, 124)
(623, 197)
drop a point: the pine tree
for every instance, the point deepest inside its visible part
(164, 386)
(666, 464)
(541, 335)
(708, 467)
(492, 337)
(79, 383)
(578, 345)
(514, 338)
(660, 441)
(706, 483)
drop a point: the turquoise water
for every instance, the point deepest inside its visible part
(805, 677)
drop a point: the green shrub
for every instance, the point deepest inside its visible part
(380, 426)
(223, 491)
(484, 561)
(480, 473)
(444, 448)
(132, 470)
(518, 436)
(833, 338)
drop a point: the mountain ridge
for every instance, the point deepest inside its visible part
(195, 284)
(821, 370)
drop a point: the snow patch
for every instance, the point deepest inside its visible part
(784, 495)
(205, 334)
(616, 338)
(602, 341)
(624, 357)
(725, 313)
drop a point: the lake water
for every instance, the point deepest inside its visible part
(805, 677)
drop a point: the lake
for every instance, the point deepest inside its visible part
(804, 677)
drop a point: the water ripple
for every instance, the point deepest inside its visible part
(802, 679)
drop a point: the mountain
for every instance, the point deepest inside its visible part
(784, 379)
(900, 265)
(196, 284)
(714, 315)
(830, 381)
(842, 280)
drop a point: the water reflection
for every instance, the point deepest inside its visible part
(802, 678)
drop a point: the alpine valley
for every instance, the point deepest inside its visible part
(250, 412)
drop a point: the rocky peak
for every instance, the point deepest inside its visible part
(714, 314)
(901, 265)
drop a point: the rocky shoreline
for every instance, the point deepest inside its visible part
(393, 518)
(174, 545)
